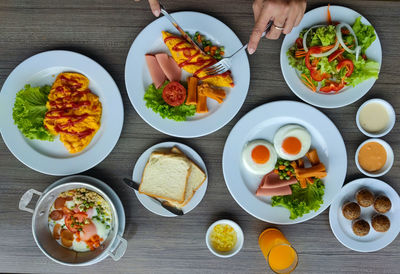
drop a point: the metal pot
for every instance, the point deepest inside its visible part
(114, 246)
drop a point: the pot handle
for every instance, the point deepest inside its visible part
(119, 251)
(26, 199)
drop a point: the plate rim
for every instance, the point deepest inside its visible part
(193, 154)
(283, 59)
(57, 169)
(260, 108)
(236, 108)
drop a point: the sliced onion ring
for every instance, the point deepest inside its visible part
(339, 37)
(326, 53)
(305, 36)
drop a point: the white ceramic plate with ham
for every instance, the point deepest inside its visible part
(262, 123)
(137, 76)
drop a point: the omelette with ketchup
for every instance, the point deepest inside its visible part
(191, 60)
(73, 111)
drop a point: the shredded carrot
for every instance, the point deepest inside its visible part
(222, 53)
(213, 48)
(207, 48)
(282, 167)
(276, 171)
(308, 82)
(329, 18)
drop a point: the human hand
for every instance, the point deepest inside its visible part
(285, 15)
(155, 7)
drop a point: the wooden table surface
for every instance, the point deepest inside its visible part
(104, 31)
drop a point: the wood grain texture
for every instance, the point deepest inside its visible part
(104, 31)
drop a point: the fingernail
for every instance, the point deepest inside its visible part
(157, 13)
(250, 50)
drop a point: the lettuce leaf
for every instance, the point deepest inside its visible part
(302, 200)
(154, 100)
(365, 34)
(363, 70)
(327, 35)
(29, 111)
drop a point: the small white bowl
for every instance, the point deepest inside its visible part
(390, 111)
(389, 159)
(239, 241)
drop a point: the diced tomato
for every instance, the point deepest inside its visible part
(174, 94)
(335, 54)
(69, 219)
(348, 64)
(80, 217)
(299, 43)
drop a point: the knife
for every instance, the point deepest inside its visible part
(164, 204)
(181, 31)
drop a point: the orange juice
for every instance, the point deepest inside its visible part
(281, 257)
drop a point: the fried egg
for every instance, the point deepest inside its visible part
(259, 157)
(292, 142)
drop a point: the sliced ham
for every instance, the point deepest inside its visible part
(272, 180)
(169, 66)
(156, 73)
(88, 230)
(276, 191)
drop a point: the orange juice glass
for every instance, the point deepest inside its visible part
(280, 255)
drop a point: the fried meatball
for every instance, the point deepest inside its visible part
(380, 223)
(360, 227)
(351, 210)
(364, 197)
(382, 204)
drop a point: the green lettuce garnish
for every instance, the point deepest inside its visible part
(29, 111)
(154, 100)
(302, 200)
(326, 35)
(365, 34)
(363, 70)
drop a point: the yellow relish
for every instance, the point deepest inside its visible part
(223, 237)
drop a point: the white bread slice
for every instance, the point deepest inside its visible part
(196, 179)
(165, 176)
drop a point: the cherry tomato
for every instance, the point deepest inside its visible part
(174, 94)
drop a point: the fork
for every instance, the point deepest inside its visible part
(226, 63)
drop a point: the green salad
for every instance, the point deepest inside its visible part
(29, 111)
(331, 57)
(155, 101)
(302, 200)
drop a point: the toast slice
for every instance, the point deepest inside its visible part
(165, 176)
(196, 179)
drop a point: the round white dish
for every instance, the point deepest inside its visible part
(389, 160)
(349, 94)
(262, 123)
(341, 227)
(52, 157)
(154, 206)
(137, 77)
(239, 241)
(390, 111)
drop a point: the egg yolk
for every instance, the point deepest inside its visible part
(291, 145)
(260, 154)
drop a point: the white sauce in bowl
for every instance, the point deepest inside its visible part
(374, 117)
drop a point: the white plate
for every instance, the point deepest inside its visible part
(137, 77)
(262, 123)
(349, 94)
(149, 202)
(52, 157)
(341, 227)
